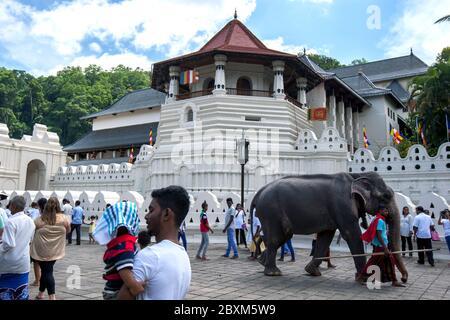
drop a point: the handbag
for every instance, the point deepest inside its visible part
(435, 236)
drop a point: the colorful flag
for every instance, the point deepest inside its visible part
(365, 139)
(421, 133)
(188, 77)
(396, 136)
(131, 156)
(317, 114)
(151, 137)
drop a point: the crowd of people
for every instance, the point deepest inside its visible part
(134, 269)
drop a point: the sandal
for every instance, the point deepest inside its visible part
(39, 298)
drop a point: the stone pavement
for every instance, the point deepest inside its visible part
(222, 278)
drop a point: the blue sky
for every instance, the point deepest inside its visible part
(43, 36)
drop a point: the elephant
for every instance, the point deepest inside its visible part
(322, 204)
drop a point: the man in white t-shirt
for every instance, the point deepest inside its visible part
(67, 208)
(163, 268)
(422, 226)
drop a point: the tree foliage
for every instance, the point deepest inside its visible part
(59, 101)
(358, 61)
(431, 100)
(325, 62)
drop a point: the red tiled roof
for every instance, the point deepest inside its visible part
(236, 37)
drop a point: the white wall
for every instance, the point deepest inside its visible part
(126, 119)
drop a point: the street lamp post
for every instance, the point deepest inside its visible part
(242, 150)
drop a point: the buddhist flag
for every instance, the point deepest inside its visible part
(396, 136)
(188, 77)
(131, 156)
(317, 114)
(365, 139)
(421, 133)
(151, 137)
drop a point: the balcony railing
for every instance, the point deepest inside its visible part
(248, 92)
(293, 101)
(194, 94)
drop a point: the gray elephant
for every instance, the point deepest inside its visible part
(322, 204)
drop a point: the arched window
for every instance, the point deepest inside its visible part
(243, 86)
(208, 85)
(189, 115)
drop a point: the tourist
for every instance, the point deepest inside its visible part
(164, 267)
(67, 208)
(143, 239)
(229, 229)
(15, 253)
(182, 234)
(77, 220)
(256, 239)
(422, 227)
(91, 224)
(204, 229)
(376, 234)
(49, 244)
(406, 230)
(239, 225)
(287, 246)
(118, 228)
(34, 211)
(36, 268)
(444, 220)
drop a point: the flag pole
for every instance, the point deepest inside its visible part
(417, 129)
(447, 127)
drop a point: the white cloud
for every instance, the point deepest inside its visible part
(94, 46)
(415, 29)
(43, 39)
(315, 1)
(107, 61)
(279, 45)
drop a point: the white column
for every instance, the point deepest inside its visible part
(220, 61)
(174, 73)
(356, 132)
(75, 158)
(100, 154)
(114, 154)
(349, 126)
(278, 81)
(341, 119)
(332, 110)
(301, 93)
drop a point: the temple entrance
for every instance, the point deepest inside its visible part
(35, 175)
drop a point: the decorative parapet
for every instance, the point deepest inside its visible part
(330, 141)
(145, 153)
(389, 160)
(103, 172)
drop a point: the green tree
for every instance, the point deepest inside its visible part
(431, 96)
(325, 62)
(358, 61)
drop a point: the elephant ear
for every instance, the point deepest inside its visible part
(362, 187)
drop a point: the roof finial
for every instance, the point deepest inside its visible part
(304, 51)
(235, 13)
(411, 51)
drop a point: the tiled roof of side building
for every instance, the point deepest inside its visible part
(123, 137)
(386, 69)
(135, 100)
(362, 84)
(396, 87)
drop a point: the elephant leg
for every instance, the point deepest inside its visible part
(271, 268)
(323, 242)
(353, 238)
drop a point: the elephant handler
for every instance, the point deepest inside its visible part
(376, 234)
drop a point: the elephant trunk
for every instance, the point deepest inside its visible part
(394, 236)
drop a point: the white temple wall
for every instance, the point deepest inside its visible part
(126, 119)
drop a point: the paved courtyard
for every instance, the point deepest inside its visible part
(222, 278)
